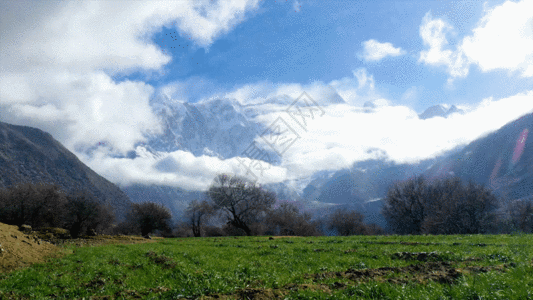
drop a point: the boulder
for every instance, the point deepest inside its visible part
(25, 228)
(57, 232)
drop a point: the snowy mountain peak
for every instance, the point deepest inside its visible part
(377, 103)
(440, 110)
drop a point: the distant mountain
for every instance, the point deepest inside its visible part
(215, 127)
(440, 110)
(175, 199)
(502, 160)
(363, 186)
(219, 127)
(376, 103)
(31, 155)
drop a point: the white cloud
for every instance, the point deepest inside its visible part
(433, 32)
(503, 39)
(376, 51)
(56, 61)
(343, 135)
(358, 89)
(179, 169)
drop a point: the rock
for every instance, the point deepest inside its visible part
(55, 231)
(25, 228)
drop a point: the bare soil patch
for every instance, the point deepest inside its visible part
(22, 249)
(442, 272)
(19, 249)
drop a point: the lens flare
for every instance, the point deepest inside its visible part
(519, 148)
(495, 172)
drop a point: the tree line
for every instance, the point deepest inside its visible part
(235, 206)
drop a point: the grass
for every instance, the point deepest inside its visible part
(365, 267)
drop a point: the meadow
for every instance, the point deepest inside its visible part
(354, 267)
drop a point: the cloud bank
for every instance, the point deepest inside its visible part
(343, 135)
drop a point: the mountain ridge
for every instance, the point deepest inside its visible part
(29, 154)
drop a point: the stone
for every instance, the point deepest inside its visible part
(55, 231)
(25, 228)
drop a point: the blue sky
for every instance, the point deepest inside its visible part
(86, 71)
(322, 41)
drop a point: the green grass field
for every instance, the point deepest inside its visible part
(356, 267)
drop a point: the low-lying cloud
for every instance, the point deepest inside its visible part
(343, 135)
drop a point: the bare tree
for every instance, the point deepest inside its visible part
(445, 206)
(286, 220)
(522, 215)
(347, 222)
(86, 215)
(456, 208)
(145, 218)
(242, 201)
(196, 213)
(404, 206)
(38, 205)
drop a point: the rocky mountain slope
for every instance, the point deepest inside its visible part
(31, 155)
(502, 160)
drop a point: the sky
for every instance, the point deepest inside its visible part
(85, 72)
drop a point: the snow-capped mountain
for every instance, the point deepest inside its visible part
(218, 127)
(215, 127)
(376, 103)
(440, 110)
(224, 128)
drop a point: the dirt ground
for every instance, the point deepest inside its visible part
(20, 250)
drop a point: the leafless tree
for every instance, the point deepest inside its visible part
(145, 218)
(521, 213)
(196, 213)
(404, 206)
(242, 201)
(286, 220)
(456, 208)
(347, 222)
(85, 215)
(37, 205)
(446, 206)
